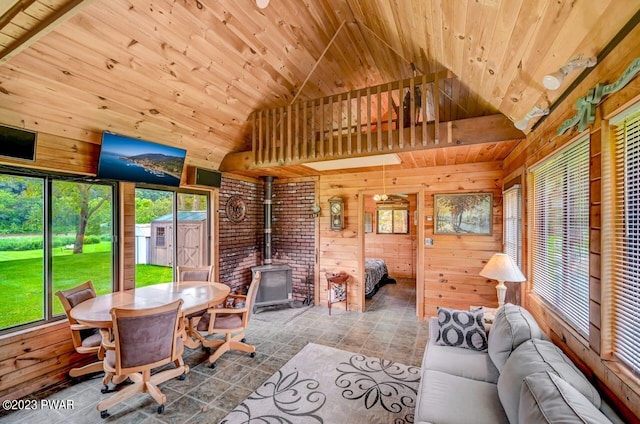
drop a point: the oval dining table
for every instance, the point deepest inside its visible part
(196, 296)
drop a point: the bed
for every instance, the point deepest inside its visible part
(376, 275)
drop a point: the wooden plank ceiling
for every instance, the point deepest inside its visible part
(190, 72)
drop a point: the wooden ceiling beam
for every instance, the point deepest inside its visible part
(463, 132)
(43, 27)
(7, 13)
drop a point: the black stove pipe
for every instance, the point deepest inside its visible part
(268, 183)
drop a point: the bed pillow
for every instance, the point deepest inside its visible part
(511, 326)
(460, 328)
(547, 398)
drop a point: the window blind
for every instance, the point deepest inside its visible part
(560, 233)
(512, 211)
(626, 246)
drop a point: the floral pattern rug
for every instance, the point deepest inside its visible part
(322, 384)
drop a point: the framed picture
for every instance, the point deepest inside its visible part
(468, 213)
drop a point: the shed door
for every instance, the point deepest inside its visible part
(189, 239)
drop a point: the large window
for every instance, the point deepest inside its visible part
(512, 211)
(624, 230)
(159, 249)
(560, 233)
(55, 233)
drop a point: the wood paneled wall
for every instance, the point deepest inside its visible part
(451, 265)
(591, 354)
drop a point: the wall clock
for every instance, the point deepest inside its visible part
(336, 214)
(236, 209)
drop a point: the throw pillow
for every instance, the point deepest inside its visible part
(460, 328)
(547, 398)
(533, 356)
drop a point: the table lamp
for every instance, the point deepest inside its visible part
(500, 267)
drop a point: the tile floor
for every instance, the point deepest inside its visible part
(388, 329)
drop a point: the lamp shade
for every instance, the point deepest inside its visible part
(502, 268)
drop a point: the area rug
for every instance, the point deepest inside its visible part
(280, 314)
(322, 384)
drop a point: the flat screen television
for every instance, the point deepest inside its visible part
(130, 159)
(16, 143)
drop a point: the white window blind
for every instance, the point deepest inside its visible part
(626, 234)
(560, 233)
(512, 211)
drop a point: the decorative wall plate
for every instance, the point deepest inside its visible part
(236, 209)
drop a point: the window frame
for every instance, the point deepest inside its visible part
(173, 236)
(613, 259)
(48, 295)
(514, 191)
(393, 208)
(535, 267)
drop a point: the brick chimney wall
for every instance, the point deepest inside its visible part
(294, 233)
(240, 244)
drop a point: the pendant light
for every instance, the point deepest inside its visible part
(382, 197)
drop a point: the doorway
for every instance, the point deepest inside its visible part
(393, 230)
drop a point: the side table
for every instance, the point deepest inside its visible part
(337, 289)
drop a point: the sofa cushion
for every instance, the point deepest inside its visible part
(461, 362)
(448, 399)
(535, 356)
(459, 328)
(511, 326)
(546, 398)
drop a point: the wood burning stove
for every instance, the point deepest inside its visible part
(275, 285)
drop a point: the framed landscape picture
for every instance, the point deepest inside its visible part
(468, 213)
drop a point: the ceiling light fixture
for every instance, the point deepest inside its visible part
(382, 197)
(262, 4)
(554, 80)
(533, 113)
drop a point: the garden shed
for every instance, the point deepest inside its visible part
(192, 239)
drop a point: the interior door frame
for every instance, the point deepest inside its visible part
(419, 263)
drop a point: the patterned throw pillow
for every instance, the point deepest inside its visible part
(461, 328)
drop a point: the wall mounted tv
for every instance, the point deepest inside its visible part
(16, 143)
(139, 161)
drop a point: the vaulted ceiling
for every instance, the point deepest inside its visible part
(190, 72)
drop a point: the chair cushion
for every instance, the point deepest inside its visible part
(110, 355)
(535, 356)
(80, 296)
(200, 275)
(460, 328)
(145, 339)
(110, 358)
(223, 322)
(546, 398)
(511, 326)
(93, 338)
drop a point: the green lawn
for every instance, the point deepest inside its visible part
(28, 254)
(21, 279)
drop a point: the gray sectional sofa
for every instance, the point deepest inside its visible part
(522, 377)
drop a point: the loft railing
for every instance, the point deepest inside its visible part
(382, 119)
